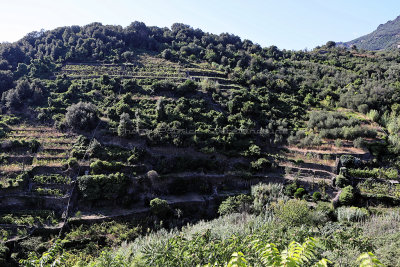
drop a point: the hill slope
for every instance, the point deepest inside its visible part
(143, 125)
(386, 36)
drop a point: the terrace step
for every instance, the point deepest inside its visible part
(319, 173)
(329, 155)
(20, 159)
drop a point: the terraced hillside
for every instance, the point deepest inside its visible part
(36, 181)
(109, 134)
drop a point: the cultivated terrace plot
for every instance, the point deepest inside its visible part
(35, 181)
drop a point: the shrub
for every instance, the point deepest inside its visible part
(341, 181)
(264, 194)
(34, 145)
(95, 187)
(100, 166)
(293, 212)
(316, 196)
(240, 203)
(187, 87)
(373, 115)
(349, 161)
(346, 197)
(94, 149)
(300, 192)
(254, 150)
(359, 143)
(351, 214)
(72, 163)
(338, 143)
(290, 189)
(82, 116)
(160, 207)
(260, 164)
(152, 175)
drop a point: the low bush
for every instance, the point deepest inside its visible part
(94, 187)
(316, 196)
(261, 164)
(240, 203)
(291, 189)
(72, 163)
(100, 167)
(341, 181)
(300, 192)
(51, 179)
(380, 173)
(160, 208)
(346, 197)
(293, 212)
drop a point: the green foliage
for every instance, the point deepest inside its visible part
(160, 207)
(341, 181)
(368, 259)
(94, 187)
(32, 145)
(82, 116)
(292, 212)
(107, 258)
(125, 127)
(295, 254)
(291, 189)
(316, 196)
(300, 192)
(239, 203)
(261, 164)
(100, 166)
(381, 173)
(72, 163)
(53, 257)
(4, 250)
(264, 195)
(373, 115)
(346, 197)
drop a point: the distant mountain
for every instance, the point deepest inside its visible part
(386, 36)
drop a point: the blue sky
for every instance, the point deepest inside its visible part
(289, 24)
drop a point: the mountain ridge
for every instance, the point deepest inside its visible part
(386, 36)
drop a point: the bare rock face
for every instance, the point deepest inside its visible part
(335, 200)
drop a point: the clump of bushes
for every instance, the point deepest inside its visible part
(300, 193)
(72, 163)
(160, 208)
(293, 212)
(374, 173)
(346, 197)
(108, 187)
(31, 145)
(100, 166)
(240, 203)
(261, 164)
(341, 181)
(303, 140)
